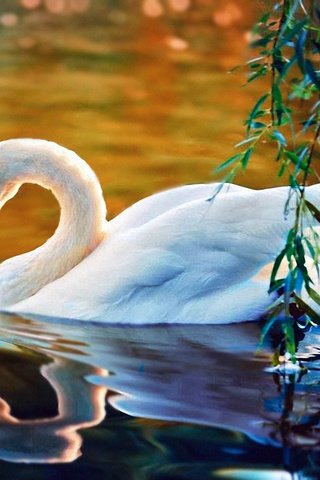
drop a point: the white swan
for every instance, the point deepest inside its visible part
(173, 257)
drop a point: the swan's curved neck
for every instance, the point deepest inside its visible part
(82, 223)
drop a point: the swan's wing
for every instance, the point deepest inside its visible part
(159, 203)
(195, 263)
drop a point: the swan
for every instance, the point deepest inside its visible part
(174, 257)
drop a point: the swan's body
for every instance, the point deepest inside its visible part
(173, 257)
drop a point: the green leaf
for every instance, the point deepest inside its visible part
(263, 41)
(282, 169)
(276, 285)
(254, 66)
(290, 338)
(310, 248)
(280, 152)
(279, 107)
(257, 106)
(293, 157)
(292, 32)
(229, 162)
(307, 309)
(247, 140)
(276, 267)
(314, 211)
(291, 236)
(296, 160)
(312, 73)
(288, 66)
(256, 125)
(276, 310)
(299, 46)
(314, 295)
(293, 182)
(314, 254)
(288, 287)
(265, 17)
(276, 93)
(246, 158)
(259, 73)
(303, 90)
(279, 137)
(311, 121)
(300, 259)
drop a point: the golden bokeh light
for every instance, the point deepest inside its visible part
(79, 6)
(9, 19)
(56, 6)
(179, 5)
(228, 15)
(152, 8)
(31, 4)
(177, 43)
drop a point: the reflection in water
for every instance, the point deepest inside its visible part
(199, 375)
(80, 405)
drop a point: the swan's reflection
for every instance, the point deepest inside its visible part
(49, 440)
(202, 375)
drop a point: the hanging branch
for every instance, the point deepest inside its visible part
(288, 43)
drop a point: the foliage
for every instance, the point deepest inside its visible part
(287, 116)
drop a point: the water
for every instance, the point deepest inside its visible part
(154, 403)
(148, 103)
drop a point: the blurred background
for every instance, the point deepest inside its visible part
(138, 88)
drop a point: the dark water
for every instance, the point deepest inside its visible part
(147, 101)
(153, 403)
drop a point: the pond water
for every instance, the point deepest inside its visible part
(153, 403)
(144, 96)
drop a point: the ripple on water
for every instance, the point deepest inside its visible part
(193, 381)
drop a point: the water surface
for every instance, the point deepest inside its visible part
(159, 402)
